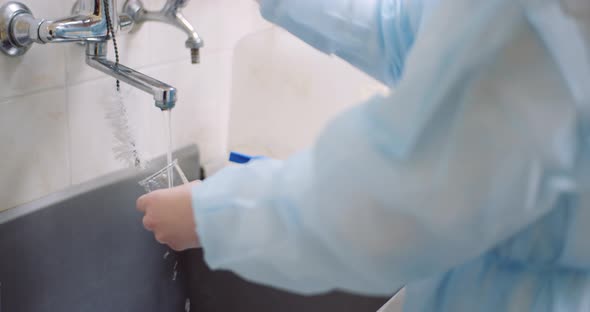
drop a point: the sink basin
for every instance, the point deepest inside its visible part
(85, 250)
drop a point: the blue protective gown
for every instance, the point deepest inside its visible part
(470, 183)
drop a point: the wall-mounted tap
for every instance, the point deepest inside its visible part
(96, 57)
(92, 23)
(171, 14)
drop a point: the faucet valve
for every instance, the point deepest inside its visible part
(15, 37)
(19, 29)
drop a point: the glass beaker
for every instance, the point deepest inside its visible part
(159, 180)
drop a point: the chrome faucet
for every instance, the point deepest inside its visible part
(93, 23)
(96, 57)
(20, 29)
(169, 14)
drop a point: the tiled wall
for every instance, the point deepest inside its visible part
(53, 131)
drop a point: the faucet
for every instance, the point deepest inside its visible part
(93, 23)
(169, 14)
(96, 57)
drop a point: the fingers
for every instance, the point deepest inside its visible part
(174, 247)
(148, 223)
(145, 201)
(161, 239)
(168, 214)
(148, 205)
(141, 203)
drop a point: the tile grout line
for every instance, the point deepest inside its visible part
(31, 93)
(68, 84)
(147, 67)
(68, 123)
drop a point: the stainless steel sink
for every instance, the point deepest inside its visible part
(85, 250)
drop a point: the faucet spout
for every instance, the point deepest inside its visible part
(164, 94)
(170, 14)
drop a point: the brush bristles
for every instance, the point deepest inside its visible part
(125, 149)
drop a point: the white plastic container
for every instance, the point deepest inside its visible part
(284, 92)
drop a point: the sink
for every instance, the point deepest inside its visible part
(85, 250)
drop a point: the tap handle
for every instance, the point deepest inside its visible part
(170, 14)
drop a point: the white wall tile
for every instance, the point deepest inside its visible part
(200, 116)
(42, 67)
(33, 140)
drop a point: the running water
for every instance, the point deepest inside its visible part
(168, 126)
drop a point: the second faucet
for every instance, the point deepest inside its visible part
(170, 14)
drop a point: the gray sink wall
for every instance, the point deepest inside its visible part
(85, 249)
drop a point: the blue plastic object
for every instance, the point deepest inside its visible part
(240, 158)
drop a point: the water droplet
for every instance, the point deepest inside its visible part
(175, 274)
(187, 305)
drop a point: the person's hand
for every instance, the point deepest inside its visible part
(169, 215)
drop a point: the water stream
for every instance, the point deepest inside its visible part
(168, 130)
